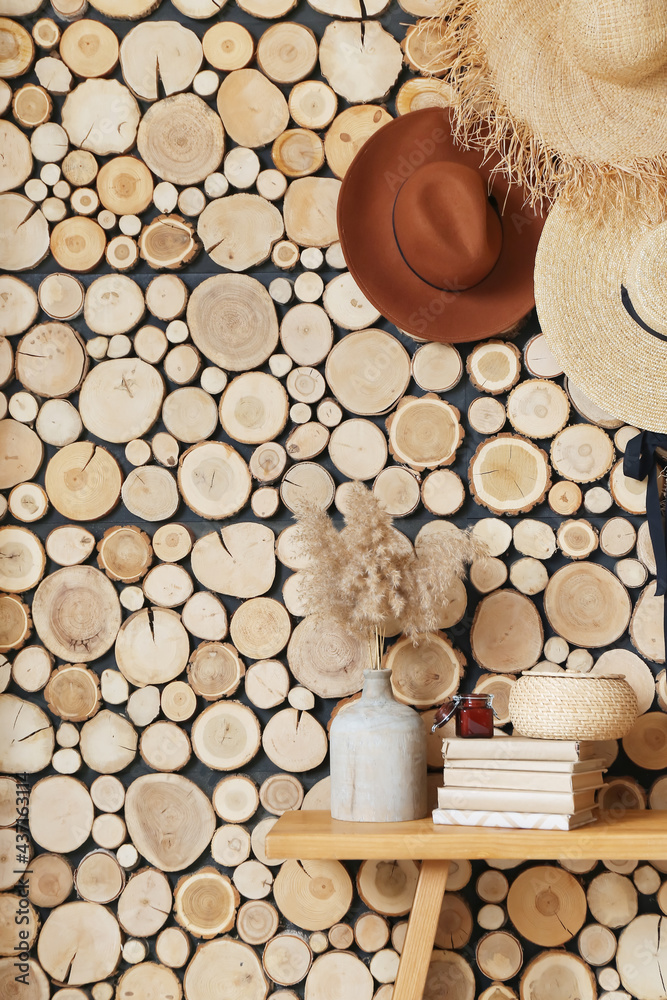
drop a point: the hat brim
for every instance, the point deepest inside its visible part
(562, 132)
(579, 270)
(373, 257)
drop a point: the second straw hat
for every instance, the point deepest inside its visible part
(571, 93)
(601, 298)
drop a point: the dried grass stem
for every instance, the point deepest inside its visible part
(368, 577)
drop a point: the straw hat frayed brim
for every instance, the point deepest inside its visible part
(579, 271)
(560, 131)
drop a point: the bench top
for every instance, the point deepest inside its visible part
(310, 834)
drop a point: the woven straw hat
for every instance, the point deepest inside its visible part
(601, 297)
(571, 93)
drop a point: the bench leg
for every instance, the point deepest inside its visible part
(422, 925)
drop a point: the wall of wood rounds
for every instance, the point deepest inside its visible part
(183, 353)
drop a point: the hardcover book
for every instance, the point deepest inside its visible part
(483, 778)
(515, 800)
(543, 766)
(512, 820)
(517, 748)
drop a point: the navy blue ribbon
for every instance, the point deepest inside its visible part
(642, 461)
(634, 315)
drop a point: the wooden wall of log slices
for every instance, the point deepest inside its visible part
(426, 674)
(587, 605)
(509, 474)
(155, 668)
(424, 432)
(519, 644)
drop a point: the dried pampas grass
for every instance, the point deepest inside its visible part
(437, 563)
(367, 575)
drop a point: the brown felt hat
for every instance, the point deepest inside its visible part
(439, 243)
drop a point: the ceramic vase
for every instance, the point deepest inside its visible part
(378, 757)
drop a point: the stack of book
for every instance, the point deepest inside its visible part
(515, 781)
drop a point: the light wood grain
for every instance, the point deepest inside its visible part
(413, 967)
(313, 834)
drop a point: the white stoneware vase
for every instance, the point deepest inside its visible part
(378, 757)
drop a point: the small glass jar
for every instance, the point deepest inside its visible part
(473, 713)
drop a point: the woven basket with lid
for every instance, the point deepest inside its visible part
(564, 706)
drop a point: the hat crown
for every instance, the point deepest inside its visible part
(621, 41)
(646, 278)
(445, 227)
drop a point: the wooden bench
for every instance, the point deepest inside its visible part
(311, 835)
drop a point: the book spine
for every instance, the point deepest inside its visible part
(511, 749)
(543, 766)
(514, 800)
(511, 820)
(521, 780)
